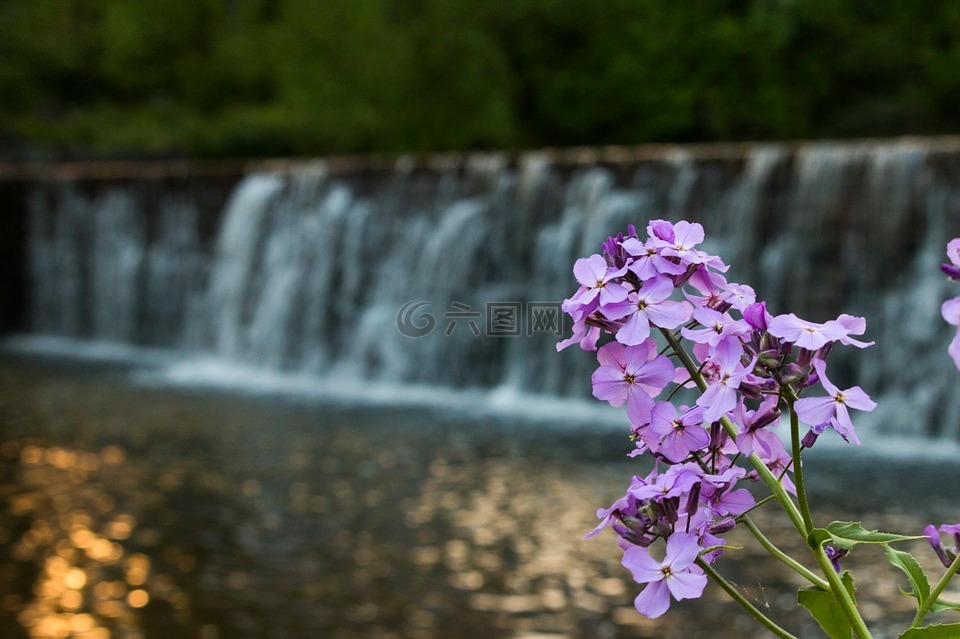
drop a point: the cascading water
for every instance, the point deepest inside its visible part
(308, 267)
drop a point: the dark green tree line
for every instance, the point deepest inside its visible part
(252, 77)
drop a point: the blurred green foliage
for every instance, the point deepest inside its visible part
(254, 77)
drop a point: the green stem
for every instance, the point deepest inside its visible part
(843, 596)
(783, 557)
(749, 510)
(740, 599)
(935, 593)
(791, 397)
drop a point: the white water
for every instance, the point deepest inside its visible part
(301, 284)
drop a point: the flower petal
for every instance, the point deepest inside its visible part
(641, 565)
(654, 600)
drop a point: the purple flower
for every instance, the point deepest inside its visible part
(676, 575)
(586, 335)
(721, 396)
(675, 482)
(853, 326)
(756, 315)
(628, 375)
(649, 305)
(803, 333)
(660, 230)
(832, 410)
(718, 493)
(686, 236)
(624, 505)
(647, 261)
(596, 284)
(951, 314)
(679, 436)
(716, 327)
(753, 433)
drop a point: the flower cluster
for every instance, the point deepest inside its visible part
(749, 367)
(951, 308)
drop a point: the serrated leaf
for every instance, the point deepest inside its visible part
(824, 607)
(939, 631)
(847, 534)
(918, 579)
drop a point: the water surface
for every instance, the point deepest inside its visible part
(128, 511)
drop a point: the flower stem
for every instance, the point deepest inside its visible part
(843, 596)
(740, 599)
(783, 557)
(763, 501)
(791, 397)
(935, 593)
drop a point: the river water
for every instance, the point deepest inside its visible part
(130, 511)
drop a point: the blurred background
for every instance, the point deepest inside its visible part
(281, 77)
(280, 288)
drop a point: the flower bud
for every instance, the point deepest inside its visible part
(638, 539)
(722, 526)
(756, 315)
(793, 374)
(750, 390)
(951, 271)
(809, 439)
(693, 499)
(769, 358)
(680, 280)
(765, 418)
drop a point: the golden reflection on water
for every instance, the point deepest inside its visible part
(88, 584)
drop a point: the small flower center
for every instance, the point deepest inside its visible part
(628, 378)
(677, 424)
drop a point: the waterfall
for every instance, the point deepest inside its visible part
(306, 269)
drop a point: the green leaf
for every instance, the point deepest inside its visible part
(939, 605)
(918, 579)
(847, 534)
(940, 631)
(824, 607)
